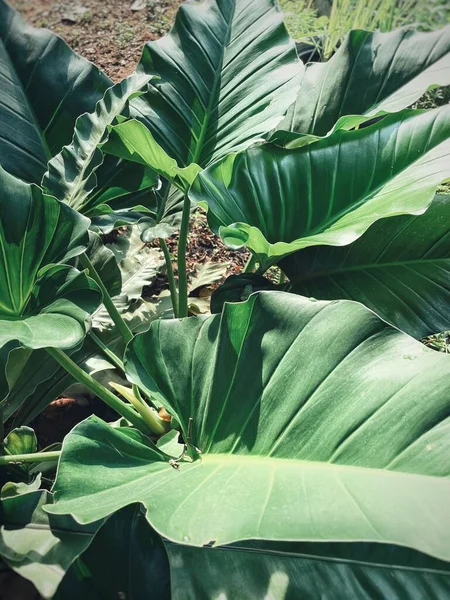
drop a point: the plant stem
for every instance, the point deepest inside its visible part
(250, 264)
(30, 458)
(182, 271)
(109, 353)
(122, 327)
(170, 276)
(125, 410)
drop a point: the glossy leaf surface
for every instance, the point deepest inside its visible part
(42, 303)
(328, 192)
(72, 174)
(371, 73)
(288, 571)
(332, 442)
(229, 72)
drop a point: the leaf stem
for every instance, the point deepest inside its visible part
(30, 458)
(122, 327)
(182, 270)
(107, 352)
(170, 276)
(250, 264)
(125, 410)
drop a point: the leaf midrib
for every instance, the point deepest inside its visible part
(332, 559)
(217, 79)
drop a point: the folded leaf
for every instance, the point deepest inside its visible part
(104, 262)
(276, 201)
(71, 175)
(312, 424)
(400, 268)
(371, 73)
(45, 87)
(133, 141)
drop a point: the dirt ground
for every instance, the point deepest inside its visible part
(111, 34)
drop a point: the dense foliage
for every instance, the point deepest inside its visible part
(296, 443)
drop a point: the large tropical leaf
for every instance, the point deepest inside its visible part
(45, 87)
(42, 304)
(312, 424)
(229, 72)
(289, 571)
(276, 200)
(213, 96)
(71, 175)
(39, 547)
(400, 268)
(371, 73)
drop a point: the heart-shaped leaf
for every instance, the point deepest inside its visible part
(229, 72)
(311, 422)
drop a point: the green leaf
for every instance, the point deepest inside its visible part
(38, 546)
(371, 73)
(45, 87)
(312, 424)
(286, 571)
(21, 440)
(42, 304)
(126, 559)
(132, 141)
(400, 268)
(229, 72)
(71, 175)
(276, 201)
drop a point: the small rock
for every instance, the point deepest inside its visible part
(74, 13)
(139, 5)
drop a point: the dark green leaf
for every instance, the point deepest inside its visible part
(126, 559)
(400, 268)
(371, 73)
(45, 87)
(38, 546)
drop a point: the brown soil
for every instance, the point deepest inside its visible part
(110, 34)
